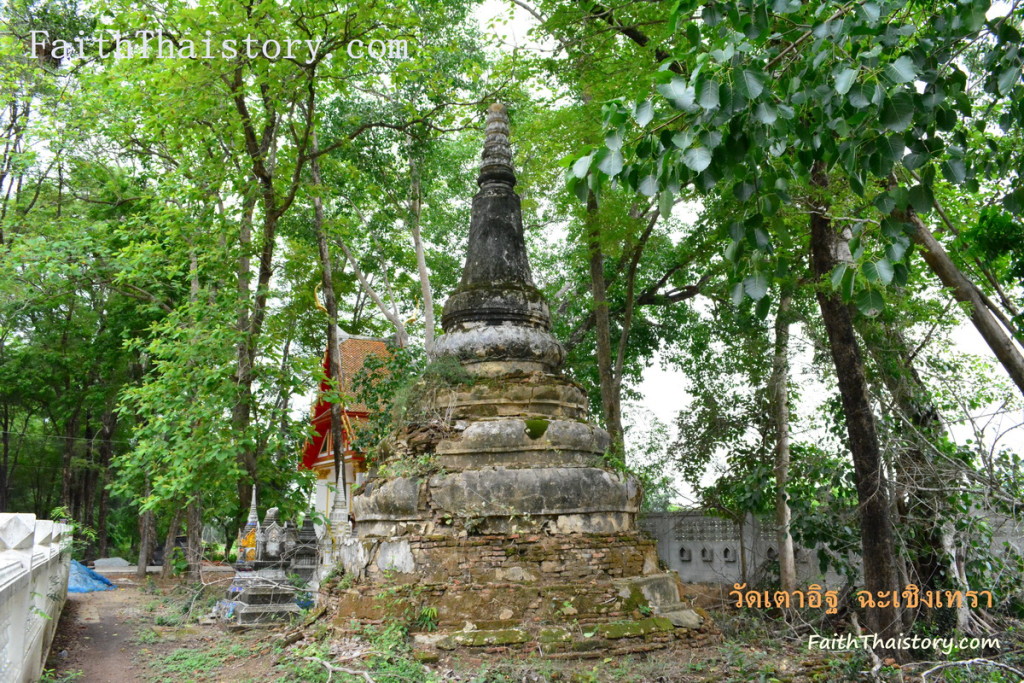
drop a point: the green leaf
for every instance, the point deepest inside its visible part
(1008, 78)
(697, 158)
(678, 93)
(915, 160)
(870, 302)
(884, 203)
(582, 165)
(766, 113)
(848, 283)
(581, 189)
(711, 14)
(611, 164)
(878, 271)
(732, 251)
(954, 170)
(756, 286)
(892, 147)
(844, 80)
(838, 273)
(643, 113)
(895, 251)
(750, 83)
(764, 306)
(707, 94)
(682, 139)
(921, 199)
(901, 275)
(613, 140)
(743, 190)
(648, 185)
(666, 200)
(1014, 201)
(897, 111)
(737, 294)
(860, 96)
(900, 71)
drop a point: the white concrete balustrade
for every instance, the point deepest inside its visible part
(34, 561)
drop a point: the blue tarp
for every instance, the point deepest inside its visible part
(84, 580)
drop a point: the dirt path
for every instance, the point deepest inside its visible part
(148, 634)
(95, 637)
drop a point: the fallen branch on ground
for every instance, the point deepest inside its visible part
(331, 668)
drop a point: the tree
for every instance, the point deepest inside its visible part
(725, 126)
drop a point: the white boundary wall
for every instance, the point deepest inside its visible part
(34, 561)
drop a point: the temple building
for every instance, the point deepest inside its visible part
(318, 454)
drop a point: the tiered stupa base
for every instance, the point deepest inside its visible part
(562, 593)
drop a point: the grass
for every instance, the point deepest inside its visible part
(50, 676)
(198, 664)
(147, 637)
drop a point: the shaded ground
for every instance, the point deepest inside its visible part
(94, 637)
(149, 633)
(139, 632)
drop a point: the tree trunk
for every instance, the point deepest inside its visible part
(331, 304)
(230, 530)
(415, 210)
(965, 291)
(172, 535)
(922, 479)
(109, 422)
(778, 394)
(194, 549)
(877, 545)
(70, 430)
(610, 404)
(147, 538)
(243, 375)
(5, 454)
(87, 483)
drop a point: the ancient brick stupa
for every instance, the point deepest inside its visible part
(514, 531)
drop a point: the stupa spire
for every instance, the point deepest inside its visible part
(497, 321)
(254, 518)
(496, 160)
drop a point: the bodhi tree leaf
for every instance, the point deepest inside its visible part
(878, 271)
(707, 94)
(897, 111)
(611, 163)
(756, 286)
(677, 92)
(697, 158)
(750, 84)
(844, 80)
(901, 71)
(648, 186)
(582, 165)
(870, 302)
(643, 113)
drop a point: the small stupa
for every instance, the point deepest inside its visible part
(515, 533)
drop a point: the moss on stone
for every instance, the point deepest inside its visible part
(553, 635)
(536, 428)
(425, 656)
(636, 599)
(634, 629)
(509, 636)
